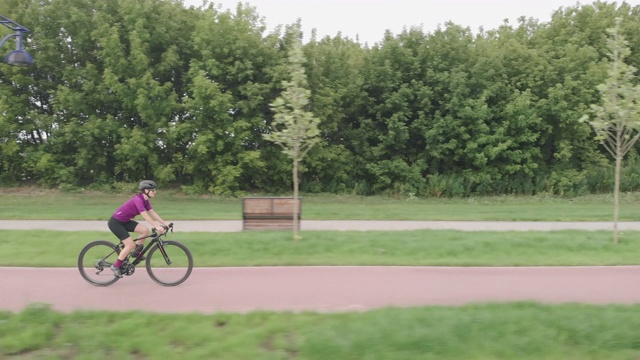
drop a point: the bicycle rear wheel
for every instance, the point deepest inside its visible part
(94, 262)
(172, 269)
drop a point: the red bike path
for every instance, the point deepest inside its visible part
(324, 288)
(320, 289)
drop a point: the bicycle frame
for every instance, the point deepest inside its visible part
(156, 238)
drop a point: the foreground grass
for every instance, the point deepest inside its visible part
(173, 206)
(420, 247)
(489, 331)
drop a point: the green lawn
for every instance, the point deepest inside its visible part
(483, 331)
(420, 247)
(173, 206)
(444, 248)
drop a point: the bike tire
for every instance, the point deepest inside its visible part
(94, 262)
(169, 274)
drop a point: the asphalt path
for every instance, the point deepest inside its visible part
(322, 288)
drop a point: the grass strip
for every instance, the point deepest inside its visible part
(419, 247)
(174, 206)
(483, 331)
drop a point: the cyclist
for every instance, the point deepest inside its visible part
(121, 222)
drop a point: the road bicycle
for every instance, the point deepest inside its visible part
(168, 262)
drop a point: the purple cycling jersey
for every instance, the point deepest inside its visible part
(132, 208)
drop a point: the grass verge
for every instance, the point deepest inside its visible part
(173, 206)
(419, 247)
(485, 331)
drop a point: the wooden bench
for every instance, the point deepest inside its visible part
(269, 213)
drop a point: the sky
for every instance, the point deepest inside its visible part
(368, 19)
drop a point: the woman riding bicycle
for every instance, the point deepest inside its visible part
(121, 222)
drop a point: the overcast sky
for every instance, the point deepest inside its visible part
(368, 19)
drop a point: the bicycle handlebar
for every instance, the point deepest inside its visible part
(154, 232)
(166, 228)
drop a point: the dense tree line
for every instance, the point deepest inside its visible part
(131, 89)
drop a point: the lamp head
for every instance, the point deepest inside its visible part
(19, 58)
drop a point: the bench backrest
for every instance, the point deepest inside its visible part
(260, 213)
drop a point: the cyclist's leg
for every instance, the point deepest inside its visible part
(121, 231)
(129, 245)
(144, 232)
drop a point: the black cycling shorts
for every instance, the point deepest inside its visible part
(122, 229)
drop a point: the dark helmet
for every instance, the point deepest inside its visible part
(147, 185)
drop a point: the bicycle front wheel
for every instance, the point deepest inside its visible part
(169, 264)
(95, 260)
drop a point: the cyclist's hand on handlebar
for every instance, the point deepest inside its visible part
(167, 228)
(161, 229)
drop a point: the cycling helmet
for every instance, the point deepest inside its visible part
(147, 185)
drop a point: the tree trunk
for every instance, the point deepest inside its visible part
(296, 230)
(616, 197)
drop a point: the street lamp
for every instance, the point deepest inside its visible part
(18, 57)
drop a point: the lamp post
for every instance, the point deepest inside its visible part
(18, 57)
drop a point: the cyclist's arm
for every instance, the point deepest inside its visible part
(155, 215)
(147, 218)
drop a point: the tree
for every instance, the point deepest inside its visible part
(228, 91)
(295, 129)
(617, 121)
(334, 72)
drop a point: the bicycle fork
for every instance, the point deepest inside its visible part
(164, 252)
